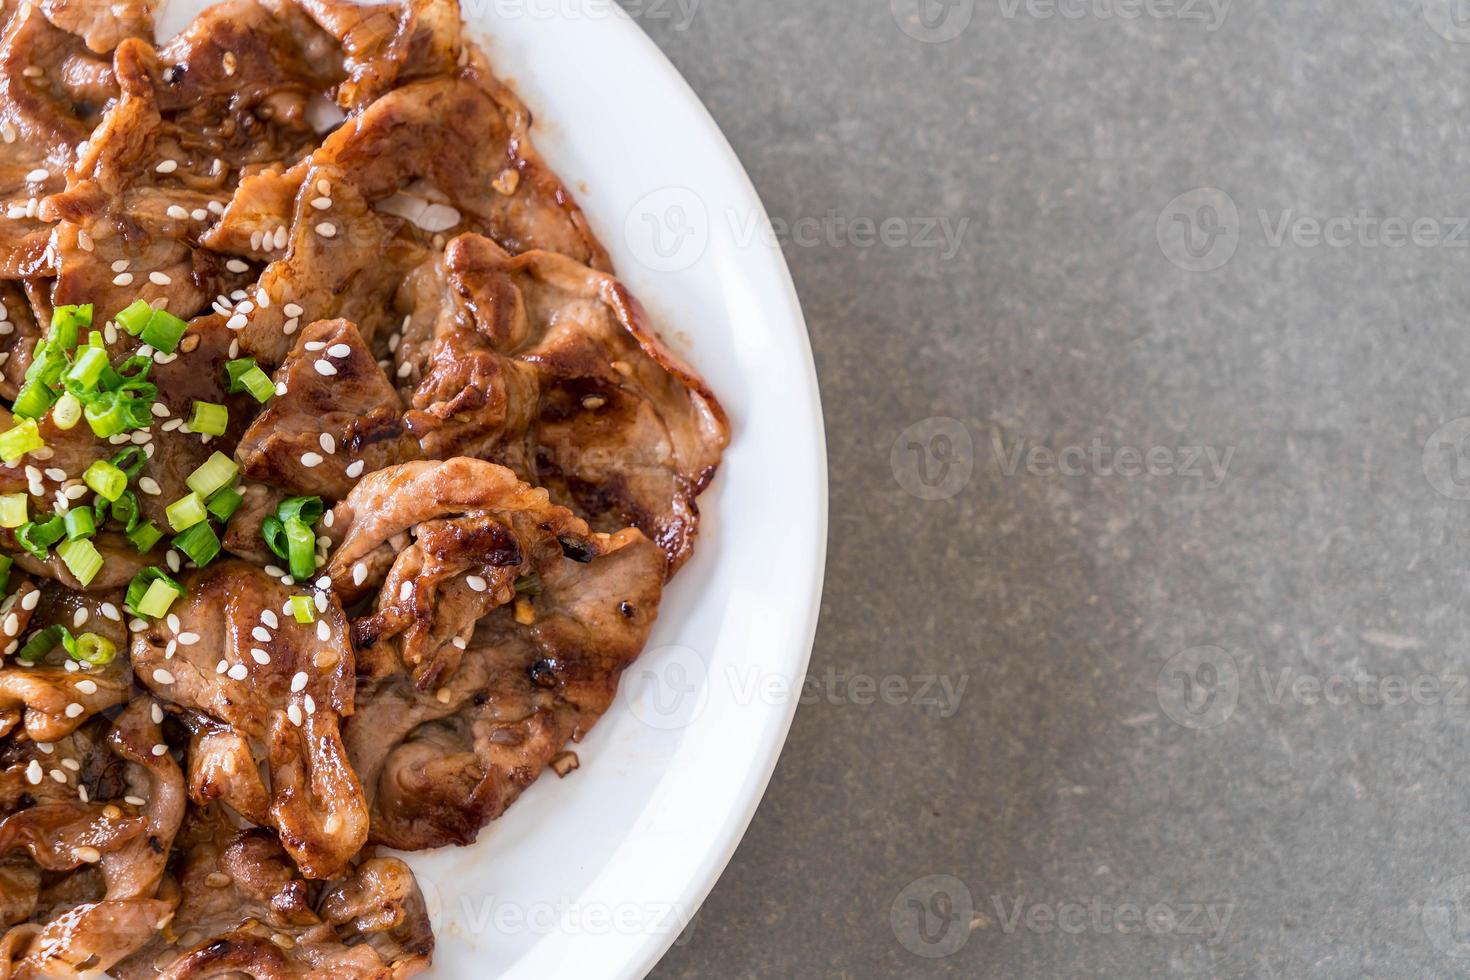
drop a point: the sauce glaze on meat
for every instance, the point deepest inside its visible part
(507, 456)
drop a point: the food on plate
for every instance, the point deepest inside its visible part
(340, 480)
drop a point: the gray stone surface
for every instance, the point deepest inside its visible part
(1142, 653)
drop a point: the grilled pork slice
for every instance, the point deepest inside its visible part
(264, 688)
(438, 766)
(88, 821)
(243, 909)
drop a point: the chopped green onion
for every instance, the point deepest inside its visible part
(87, 369)
(151, 592)
(185, 512)
(82, 558)
(41, 643)
(200, 543)
(303, 609)
(245, 375)
(67, 412)
(217, 472)
(145, 536)
(38, 538)
(107, 415)
(13, 509)
(300, 549)
(308, 510)
(224, 503)
(92, 649)
(67, 323)
(106, 480)
(131, 461)
(135, 317)
(24, 438)
(209, 419)
(163, 331)
(5, 562)
(34, 400)
(80, 523)
(125, 510)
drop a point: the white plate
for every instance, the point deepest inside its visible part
(596, 875)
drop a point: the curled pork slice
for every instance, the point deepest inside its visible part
(239, 659)
(437, 767)
(387, 44)
(56, 695)
(101, 27)
(338, 418)
(475, 530)
(245, 910)
(621, 430)
(97, 815)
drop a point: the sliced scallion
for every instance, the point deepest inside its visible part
(185, 512)
(200, 543)
(217, 472)
(209, 419)
(106, 480)
(82, 559)
(24, 438)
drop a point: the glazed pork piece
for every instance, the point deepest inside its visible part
(340, 480)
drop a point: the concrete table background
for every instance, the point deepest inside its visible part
(1207, 709)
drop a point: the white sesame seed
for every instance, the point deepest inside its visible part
(289, 327)
(359, 573)
(110, 611)
(222, 666)
(160, 410)
(324, 187)
(404, 591)
(167, 166)
(34, 774)
(160, 749)
(216, 207)
(199, 214)
(261, 634)
(459, 642)
(329, 518)
(135, 801)
(121, 265)
(273, 571)
(339, 350)
(405, 369)
(58, 775)
(238, 672)
(321, 607)
(11, 624)
(245, 306)
(476, 582)
(309, 703)
(237, 322)
(236, 266)
(320, 203)
(172, 620)
(149, 485)
(260, 656)
(56, 475)
(170, 650)
(74, 710)
(298, 682)
(281, 237)
(280, 388)
(137, 625)
(37, 175)
(188, 639)
(162, 676)
(123, 279)
(31, 598)
(71, 764)
(87, 687)
(255, 241)
(80, 617)
(326, 229)
(172, 558)
(172, 424)
(178, 213)
(325, 368)
(269, 618)
(311, 460)
(324, 583)
(155, 711)
(328, 444)
(292, 310)
(85, 798)
(159, 278)
(294, 713)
